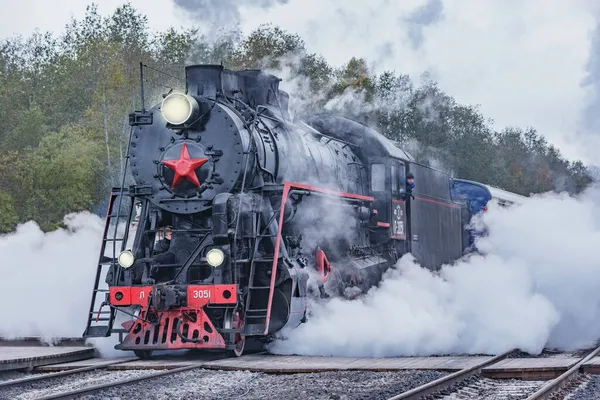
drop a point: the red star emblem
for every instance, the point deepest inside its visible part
(185, 167)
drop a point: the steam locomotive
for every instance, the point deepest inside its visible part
(255, 204)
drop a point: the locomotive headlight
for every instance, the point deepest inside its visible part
(215, 257)
(126, 259)
(179, 108)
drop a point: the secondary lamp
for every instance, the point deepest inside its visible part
(126, 259)
(215, 257)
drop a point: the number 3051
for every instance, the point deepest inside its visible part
(201, 294)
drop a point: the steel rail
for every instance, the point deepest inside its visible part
(559, 382)
(16, 382)
(449, 380)
(90, 389)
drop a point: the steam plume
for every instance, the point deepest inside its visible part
(537, 286)
(221, 13)
(428, 14)
(47, 278)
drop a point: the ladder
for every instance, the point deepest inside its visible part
(100, 322)
(256, 315)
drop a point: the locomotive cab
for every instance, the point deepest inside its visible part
(388, 187)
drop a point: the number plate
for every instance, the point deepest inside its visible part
(199, 296)
(398, 220)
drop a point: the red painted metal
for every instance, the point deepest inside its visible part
(383, 224)
(201, 295)
(132, 295)
(438, 202)
(193, 324)
(197, 295)
(286, 191)
(329, 191)
(323, 265)
(185, 167)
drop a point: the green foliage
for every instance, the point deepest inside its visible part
(355, 75)
(266, 47)
(8, 214)
(64, 104)
(29, 129)
(58, 177)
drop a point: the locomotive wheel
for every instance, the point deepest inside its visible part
(234, 320)
(143, 354)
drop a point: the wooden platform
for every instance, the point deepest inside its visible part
(542, 368)
(592, 366)
(21, 357)
(286, 364)
(295, 364)
(135, 363)
(520, 368)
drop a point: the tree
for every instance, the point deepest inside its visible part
(64, 104)
(58, 177)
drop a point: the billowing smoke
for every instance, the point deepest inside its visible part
(221, 14)
(536, 286)
(428, 14)
(328, 224)
(47, 278)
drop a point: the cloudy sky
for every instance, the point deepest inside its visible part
(523, 61)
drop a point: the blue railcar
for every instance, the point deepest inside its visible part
(478, 195)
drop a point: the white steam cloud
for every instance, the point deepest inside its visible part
(537, 286)
(47, 278)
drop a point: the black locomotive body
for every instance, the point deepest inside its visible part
(255, 203)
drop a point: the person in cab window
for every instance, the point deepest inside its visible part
(410, 184)
(164, 240)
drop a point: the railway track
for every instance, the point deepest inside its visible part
(95, 388)
(468, 383)
(37, 378)
(564, 381)
(449, 381)
(68, 394)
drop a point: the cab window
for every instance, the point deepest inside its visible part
(378, 177)
(395, 178)
(402, 180)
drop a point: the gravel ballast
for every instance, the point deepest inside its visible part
(47, 387)
(209, 384)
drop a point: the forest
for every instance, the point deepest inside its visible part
(65, 100)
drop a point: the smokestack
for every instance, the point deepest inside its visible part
(203, 80)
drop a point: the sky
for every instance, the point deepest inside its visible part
(525, 63)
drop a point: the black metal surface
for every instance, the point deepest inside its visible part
(222, 139)
(250, 148)
(435, 220)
